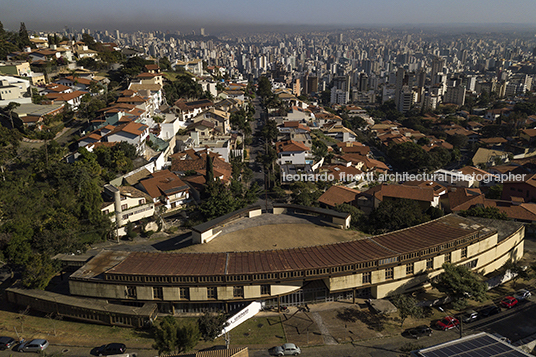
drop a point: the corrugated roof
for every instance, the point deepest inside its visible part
(416, 238)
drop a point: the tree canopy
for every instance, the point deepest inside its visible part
(211, 325)
(395, 214)
(485, 212)
(407, 307)
(171, 337)
(460, 284)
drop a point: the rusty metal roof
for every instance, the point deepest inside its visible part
(427, 235)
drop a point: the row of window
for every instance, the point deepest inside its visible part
(274, 276)
(439, 248)
(184, 293)
(238, 291)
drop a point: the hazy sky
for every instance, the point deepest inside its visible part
(193, 14)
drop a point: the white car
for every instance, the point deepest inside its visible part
(522, 294)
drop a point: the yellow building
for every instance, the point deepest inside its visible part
(377, 267)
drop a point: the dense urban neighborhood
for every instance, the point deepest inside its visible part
(314, 193)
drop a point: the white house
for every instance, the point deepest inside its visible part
(293, 152)
(132, 133)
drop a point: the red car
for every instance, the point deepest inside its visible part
(509, 302)
(447, 323)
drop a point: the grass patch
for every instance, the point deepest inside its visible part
(67, 332)
(259, 331)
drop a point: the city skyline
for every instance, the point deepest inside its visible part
(238, 14)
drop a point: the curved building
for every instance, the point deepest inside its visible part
(376, 267)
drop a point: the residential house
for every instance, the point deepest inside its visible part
(126, 204)
(343, 173)
(529, 135)
(487, 157)
(166, 189)
(77, 83)
(472, 136)
(191, 160)
(9, 91)
(364, 163)
(73, 99)
(33, 114)
(340, 132)
(220, 119)
(524, 188)
(337, 195)
(194, 66)
(132, 133)
(17, 68)
(354, 148)
(425, 196)
(189, 110)
(293, 152)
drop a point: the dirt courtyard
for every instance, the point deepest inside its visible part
(274, 236)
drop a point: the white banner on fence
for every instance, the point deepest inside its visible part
(244, 314)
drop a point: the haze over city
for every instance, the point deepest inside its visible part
(234, 15)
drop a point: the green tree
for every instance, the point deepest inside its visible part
(264, 88)
(409, 156)
(495, 192)
(357, 214)
(269, 131)
(187, 337)
(209, 177)
(220, 201)
(460, 284)
(485, 212)
(211, 325)
(406, 306)
(458, 141)
(24, 38)
(165, 335)
(38, 271)
(395, 214)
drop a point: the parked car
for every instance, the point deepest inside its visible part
(288, 349)
(522, 294)
(33, 346)
(418, 332)
(468, 316)
(489, 310)
(6, 342)
(112, 349)
(509, 302)
(447, 323)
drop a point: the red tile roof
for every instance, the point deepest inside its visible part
(163, 183)
(291, 146)
(337, 195)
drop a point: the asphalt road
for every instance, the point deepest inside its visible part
(507, 324)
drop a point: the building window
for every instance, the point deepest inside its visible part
(212, 293)
(430, 263)
(389, 273)
(464, 252)
(366, 277)
(131, 292)
(265, 290)
(184, 293)
(238, 291)
(124, 207)
(158, 293)
(106, 211)
(142, 201)
(448, 257)
(410, 269)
